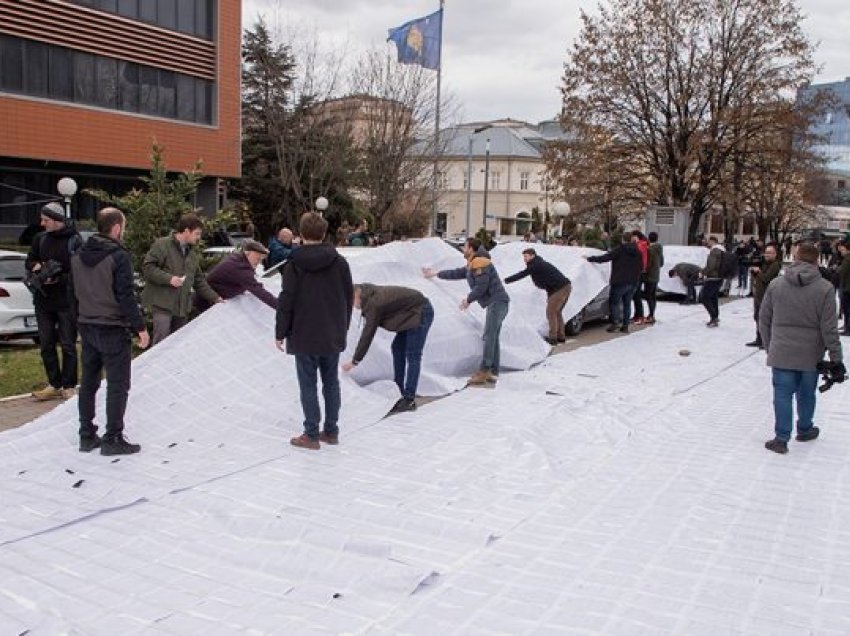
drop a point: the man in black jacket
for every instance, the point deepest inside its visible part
(626, 268)
(108, 313)
(313, 314)
(547, 277)
(51, 252)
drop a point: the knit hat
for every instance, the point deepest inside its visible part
(54, 211)
(254, 246)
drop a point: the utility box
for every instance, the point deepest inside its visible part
(671, 223)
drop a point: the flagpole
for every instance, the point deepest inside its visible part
(437, 131)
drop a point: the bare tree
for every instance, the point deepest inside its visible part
(671, 81)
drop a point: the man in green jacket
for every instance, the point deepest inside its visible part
(652, 276)
(762, 275)
(172, 269)
(844, 284)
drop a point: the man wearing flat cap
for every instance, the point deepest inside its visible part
(236, 275)
(50, 255)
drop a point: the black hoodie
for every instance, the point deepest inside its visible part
(314, 308)
(103, 285)
(58, 246)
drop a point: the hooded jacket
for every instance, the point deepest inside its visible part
(391, 307)
(103, 285)
(798, 319)
(483, 279)
(314, 308)
(544, 275)
(626, 264)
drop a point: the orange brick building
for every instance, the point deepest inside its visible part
(86, 86)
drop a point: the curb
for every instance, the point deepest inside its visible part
(15, 397)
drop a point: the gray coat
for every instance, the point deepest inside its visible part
(798, 321)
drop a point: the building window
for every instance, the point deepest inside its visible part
(442, 222)
(55, 72)
(523, 180)
(465, 180)
(748, 225)
(716, 226)
(187, 16)
(442, 180)
(495, 180)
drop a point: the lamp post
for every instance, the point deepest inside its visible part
(560, 211)
(469, 177)
(67, 187)
(321, 205)
(486, 181)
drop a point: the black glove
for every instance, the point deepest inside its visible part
(839, 372)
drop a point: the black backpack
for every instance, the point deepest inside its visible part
(728, 265)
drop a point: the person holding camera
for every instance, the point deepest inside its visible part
(49, 266)
(797, 323)
(763, 275)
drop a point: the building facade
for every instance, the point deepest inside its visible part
(507, 155)
(87, 87)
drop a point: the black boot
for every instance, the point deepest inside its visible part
(756, 342)
(403, 405)
(777, 446)
(612, 327)
(89, 442)
(117, 445)
(808, 436)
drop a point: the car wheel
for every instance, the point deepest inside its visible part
(574, 324)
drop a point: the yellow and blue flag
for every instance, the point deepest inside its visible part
(418, 41)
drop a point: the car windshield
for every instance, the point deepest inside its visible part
(11, 268)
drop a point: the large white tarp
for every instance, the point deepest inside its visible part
(622, 488)
(675, 254)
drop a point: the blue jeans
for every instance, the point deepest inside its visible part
(786, 384)
(407, 353)
(620, 303)
(105, 349)
(743, 275)
(307, 368)
(496, 313)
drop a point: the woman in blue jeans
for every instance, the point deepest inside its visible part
(409, 314)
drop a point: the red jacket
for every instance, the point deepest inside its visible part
(643, 248)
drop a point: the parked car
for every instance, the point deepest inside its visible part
(17, 314)
(596, 309)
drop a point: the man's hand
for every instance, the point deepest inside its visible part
(36, 267)
(144, 339)
(348, 366)
(464, 304)
(280, 345)
(755, 270)
(177, 281)
(427, 272)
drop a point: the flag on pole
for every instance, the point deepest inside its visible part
(418, 41)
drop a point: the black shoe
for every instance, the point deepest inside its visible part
(777, 446)
(624, 329)
(552, 341)
(562, 340)
(403, 405)
(808, 436)
(118, 446)
(89, 443)
(612, 327)
(712, 323)
(754, 343)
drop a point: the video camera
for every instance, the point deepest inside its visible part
(47, 274)
(831, 373)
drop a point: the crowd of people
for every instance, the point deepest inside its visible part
(89, 288)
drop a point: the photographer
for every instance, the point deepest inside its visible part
(762, 277)
(49, 265)
(797, 323)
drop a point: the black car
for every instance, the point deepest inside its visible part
(596, 309)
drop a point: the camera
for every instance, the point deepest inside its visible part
(831, 373)
(48, 274)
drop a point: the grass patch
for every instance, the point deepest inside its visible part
(21, 370)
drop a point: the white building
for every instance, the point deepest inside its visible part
(510, 153)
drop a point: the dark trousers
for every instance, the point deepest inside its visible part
(620, 303)
(58, 327)
(743, 275)
(308, 369)
(845, 310)
(165, 324)
(709, 297)
(105, 349)
(638, 300)
(407, 353)
(650, 292)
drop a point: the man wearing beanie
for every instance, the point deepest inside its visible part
(50, 254)
(235, 275)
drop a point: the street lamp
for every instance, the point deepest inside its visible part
(560, 211)
(67, 187)
(321, 205)
(469, 176)
(486, 181)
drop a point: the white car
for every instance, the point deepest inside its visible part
(17, 314)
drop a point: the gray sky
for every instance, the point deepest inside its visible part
(503, 58)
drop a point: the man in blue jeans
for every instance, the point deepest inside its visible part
(409, 314)
(487, 290)
(798, 323)
(313, 314)
(626, 268)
